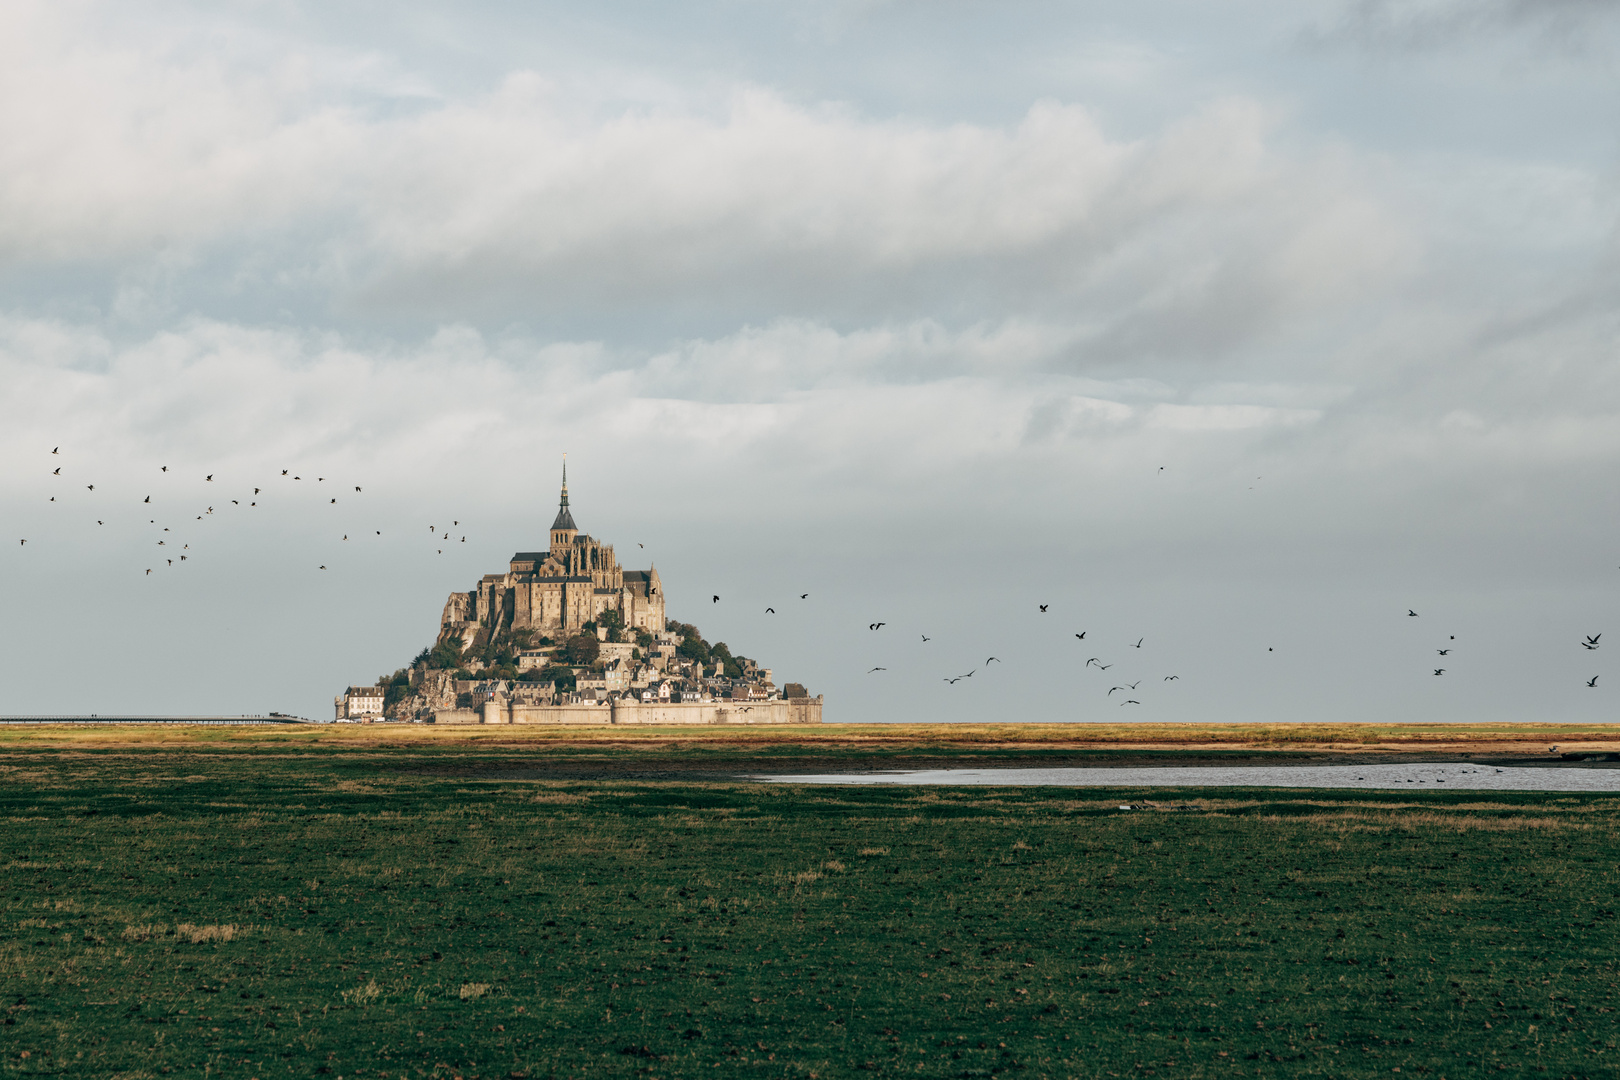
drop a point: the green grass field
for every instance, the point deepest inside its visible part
(253, 909)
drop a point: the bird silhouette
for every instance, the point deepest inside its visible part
(334, 503)
(770, 611)
(716, 600)
(147, 499)
(1588, 645)
(54, 451)
(1442, 652)
(1439, 671)
(1111, 690)
(1043, 607)
(1104, 667)
(878, 669)
(1138, 644)
(21, 543)
(209, 478)
(1167, 678)
(925, 637)
(1132, 701)
(1135, 684)
(235, 503)
(283, 472)
(876, 626)
(357, 489)
(1592, 681)
(804, 596)
(255, 491)
(57, 471)
(1411, 613)
(323, 568)
(993, 659)
(148, 572)
(1081, 636)
(90, 487)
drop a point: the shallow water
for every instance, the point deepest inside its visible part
(1385, 777)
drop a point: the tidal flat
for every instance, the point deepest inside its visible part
(389, 906)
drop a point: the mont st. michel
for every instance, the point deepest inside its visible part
(568, 636)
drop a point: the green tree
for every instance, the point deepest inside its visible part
(581, 650)
(614, 622)
(644, 638)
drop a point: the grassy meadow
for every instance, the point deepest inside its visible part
(224, 904)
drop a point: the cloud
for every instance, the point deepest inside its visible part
(187, 179)
(1432, 25)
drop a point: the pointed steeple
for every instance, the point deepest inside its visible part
(565, 520)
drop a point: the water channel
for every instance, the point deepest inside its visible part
(1451, 775)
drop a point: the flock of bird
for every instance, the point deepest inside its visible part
(179, 548)
(1590, 644)
(179, 551)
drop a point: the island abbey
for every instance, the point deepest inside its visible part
(559, 591)
(568, 636)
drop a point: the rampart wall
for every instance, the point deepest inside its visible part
(788, 711)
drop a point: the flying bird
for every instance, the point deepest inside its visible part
(1133, 701)
(993, 659)
(54, 451)
(876, 626)
(716, 600)
(283, 472)
(1104, 667)
(323, 568)
(1167, 678)
(1442, 652)
(149, 572)
(255, 491)
(209, 478)
(925, 637)
(357, 489)
(878, 669)
(1588, 645)
(147, 499)
(163, 468)
(334, 503)
(1043, 607)
(1093, 660)
(770, 611)
(235, 503)
(1592, 681)
(1138, 644)
(1135, 684)
(57, 471)
(1411, 613)
(1111, 690)
(640, 545)
(1439, 671)
(1081, 636)
(91, 487)
(804, 596)
(20, 543)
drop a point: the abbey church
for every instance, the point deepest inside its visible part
(557, 591)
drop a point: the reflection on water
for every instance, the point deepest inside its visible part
(1480, 777)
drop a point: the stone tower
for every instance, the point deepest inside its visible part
(563, 530)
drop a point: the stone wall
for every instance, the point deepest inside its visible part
(795, 711)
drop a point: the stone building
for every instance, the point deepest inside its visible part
(557, 591)
(360, 702)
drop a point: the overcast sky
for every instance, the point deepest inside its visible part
(1239, 329)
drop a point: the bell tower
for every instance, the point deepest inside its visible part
(563, 530)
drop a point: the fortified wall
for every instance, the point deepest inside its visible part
(804, 710)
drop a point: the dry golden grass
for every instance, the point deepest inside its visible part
(827, 739)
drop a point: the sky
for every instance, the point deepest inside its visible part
(1230, 333)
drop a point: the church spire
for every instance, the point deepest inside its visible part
(565, 520)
